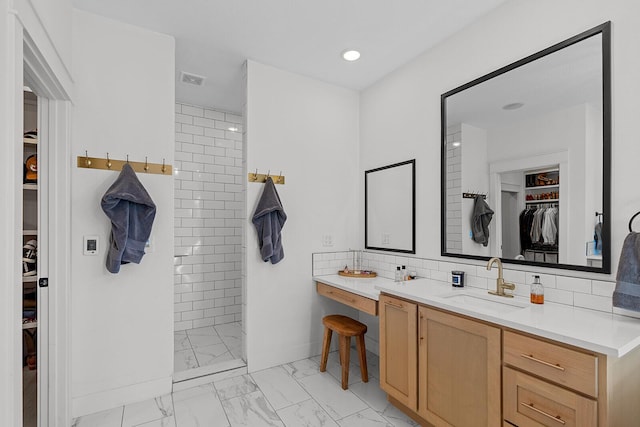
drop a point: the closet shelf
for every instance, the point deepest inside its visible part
(540, 187)
(534, 202)
(29, 232)
(29, 279)
(30, 141)
(29, 186)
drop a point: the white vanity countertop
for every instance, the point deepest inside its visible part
(605, 333)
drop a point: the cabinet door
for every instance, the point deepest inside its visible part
(459, 370)
(398, 350)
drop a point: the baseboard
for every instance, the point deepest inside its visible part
(97, 402)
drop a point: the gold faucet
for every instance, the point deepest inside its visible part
(501, 285)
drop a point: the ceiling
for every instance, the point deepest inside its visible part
(215, 37)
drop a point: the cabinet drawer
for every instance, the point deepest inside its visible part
(570, 368)
(359, 302)
(529, 401)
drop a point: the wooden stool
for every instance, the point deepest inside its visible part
(346, 328)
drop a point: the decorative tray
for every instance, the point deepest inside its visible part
(362, 274)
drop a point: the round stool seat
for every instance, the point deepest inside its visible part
(346, 328)
(344, 325)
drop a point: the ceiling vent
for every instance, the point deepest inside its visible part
(192, 79)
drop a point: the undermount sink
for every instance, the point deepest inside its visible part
(487, 302)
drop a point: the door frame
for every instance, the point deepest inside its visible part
(25, 61)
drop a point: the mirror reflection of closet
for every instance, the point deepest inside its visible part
(548, 113)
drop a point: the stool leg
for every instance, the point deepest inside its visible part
(346, 352)
(325, 349)
(362, 352)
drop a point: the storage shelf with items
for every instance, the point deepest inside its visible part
(539, 219)
(30, 231)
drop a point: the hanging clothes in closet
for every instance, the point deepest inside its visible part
(538, 227)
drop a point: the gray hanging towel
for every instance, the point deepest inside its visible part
(480, 219)
(627, 292)
(131, 211)
(269, 218)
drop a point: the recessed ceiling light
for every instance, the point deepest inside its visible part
(350, 55)
(456, 144)
(513, 106)
(232, 129)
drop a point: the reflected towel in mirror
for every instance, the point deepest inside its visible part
(480, 219)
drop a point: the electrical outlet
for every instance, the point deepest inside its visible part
(386, 237)
(327, 240)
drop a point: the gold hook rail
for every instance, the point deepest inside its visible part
(260, 177)
(116, 165)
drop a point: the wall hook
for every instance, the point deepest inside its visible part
(86, 156)
(164, 168)
(108, 161)
(280, 177)
(146, 164)
(127, 158)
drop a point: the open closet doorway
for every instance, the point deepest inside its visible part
(209, 221)
(44, 241)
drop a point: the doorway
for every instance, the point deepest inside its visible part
(209, 221)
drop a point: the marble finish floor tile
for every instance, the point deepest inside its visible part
(108, 418)
(181, 341)
(199, 406)
(184, 360)
(328, 392)
(251, 410)
(366, 418)
(292, 395)
(280, 388)
(307, 413)
(234, 387)
(302, 368)
(203, 337)
(149, 410)
(212, 354)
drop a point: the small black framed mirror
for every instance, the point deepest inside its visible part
(390, 208)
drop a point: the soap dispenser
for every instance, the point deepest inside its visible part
(398, 277)
(537, 291)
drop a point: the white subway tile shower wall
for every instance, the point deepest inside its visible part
(209, 215)
(580, 292)
(454, 189)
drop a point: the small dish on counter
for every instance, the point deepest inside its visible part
(363, 274)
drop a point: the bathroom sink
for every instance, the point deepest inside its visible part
(494, 304)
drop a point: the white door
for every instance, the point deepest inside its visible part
(510, 225)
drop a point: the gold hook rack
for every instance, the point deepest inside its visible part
(260, 177)
(116, 165)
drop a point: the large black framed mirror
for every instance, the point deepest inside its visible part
(533, 140)
(390, 208)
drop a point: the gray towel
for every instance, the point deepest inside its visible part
(627, 292)
(269, 218)
(480, 219)
(131, 211)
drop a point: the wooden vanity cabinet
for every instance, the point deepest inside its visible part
(458, 370)
(443, 368)
(398, 350)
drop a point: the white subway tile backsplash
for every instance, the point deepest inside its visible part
(601, 288)
(208, 175)
(593, 302)
(573, 284)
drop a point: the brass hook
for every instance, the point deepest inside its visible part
(280, 177)
(108, 161)
(146, 165)
(268, 173)
(127, 158)
(164, 168)
(255, 175)
(87, 161)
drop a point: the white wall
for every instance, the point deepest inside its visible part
(122, 334)
(308, 130)
(409, 99)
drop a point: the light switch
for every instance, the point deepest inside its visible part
(90, 246)
(327, 240)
